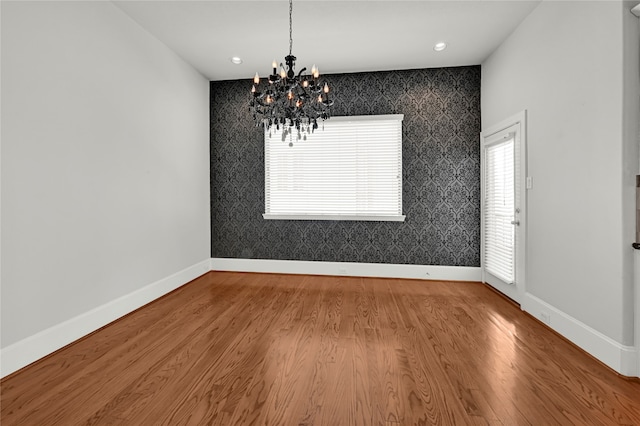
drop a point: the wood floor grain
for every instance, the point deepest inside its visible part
(268, 349)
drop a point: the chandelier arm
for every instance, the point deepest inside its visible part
(304, 92)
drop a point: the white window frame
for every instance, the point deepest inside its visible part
(275, 136)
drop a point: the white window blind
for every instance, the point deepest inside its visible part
(499, 207)
(348, 169)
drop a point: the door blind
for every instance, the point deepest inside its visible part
(499, 207)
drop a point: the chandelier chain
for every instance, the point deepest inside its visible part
(290, 27)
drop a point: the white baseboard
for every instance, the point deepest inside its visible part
(621, 358)
(383, 270)
(26, 351)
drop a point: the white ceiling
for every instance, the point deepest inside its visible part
(338, 36)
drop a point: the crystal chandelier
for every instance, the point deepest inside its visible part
(289, 99)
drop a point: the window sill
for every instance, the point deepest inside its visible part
(399, 218)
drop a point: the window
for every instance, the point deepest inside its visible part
(348, 169)
(499, 208)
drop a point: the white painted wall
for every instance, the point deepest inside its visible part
(564, 65)
(631, 135)
(105, 162)
(632, 126)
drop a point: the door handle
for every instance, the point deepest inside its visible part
(515, 222)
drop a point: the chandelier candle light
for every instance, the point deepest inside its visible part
(289, 99)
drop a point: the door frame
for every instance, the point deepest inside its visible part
(518, 120)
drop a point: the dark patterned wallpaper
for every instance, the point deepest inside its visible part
(441, 174)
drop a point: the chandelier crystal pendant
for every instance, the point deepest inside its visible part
(290, 99)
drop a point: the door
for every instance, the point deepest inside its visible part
(503, 207)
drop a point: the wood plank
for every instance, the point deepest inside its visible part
(258, 349)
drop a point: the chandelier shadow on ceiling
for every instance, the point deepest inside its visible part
(290, 99)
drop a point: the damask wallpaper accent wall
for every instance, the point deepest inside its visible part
(441, 174)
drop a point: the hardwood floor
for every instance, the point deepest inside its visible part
(254, 349)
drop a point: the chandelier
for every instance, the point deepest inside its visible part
(290, 99)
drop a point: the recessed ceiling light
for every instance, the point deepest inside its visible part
(440, 46)
(236, 60)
